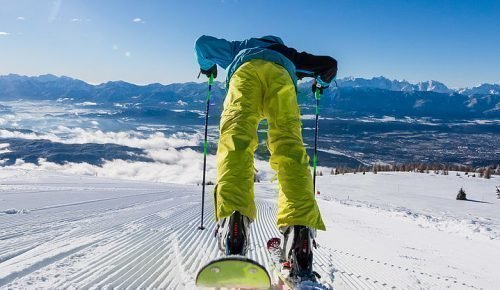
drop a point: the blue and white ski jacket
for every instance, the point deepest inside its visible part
(230, 55)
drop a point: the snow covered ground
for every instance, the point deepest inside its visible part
(389, 230)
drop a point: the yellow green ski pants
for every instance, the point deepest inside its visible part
(264, 90)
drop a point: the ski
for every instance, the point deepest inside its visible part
(233, 272)
(283, 271)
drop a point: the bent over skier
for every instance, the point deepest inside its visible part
(262, 78)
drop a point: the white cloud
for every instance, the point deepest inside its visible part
(172, 166)
(86, 104)
(138, 20)
(21, 18)
(3, 148)
(134, 139)
(115, 47)
(189, 171)
(3, 33)
(31, 136)
(128, 53)
(80, 20)
(170, 163)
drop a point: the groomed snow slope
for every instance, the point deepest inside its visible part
(384, 231)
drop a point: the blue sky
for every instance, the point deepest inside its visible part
(456, 42)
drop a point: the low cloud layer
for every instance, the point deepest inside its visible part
(135, 139)
(172, 161)
(171, 166)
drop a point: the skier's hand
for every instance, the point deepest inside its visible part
(210, 71)
(316, 85)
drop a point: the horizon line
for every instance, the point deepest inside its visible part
(222, 81)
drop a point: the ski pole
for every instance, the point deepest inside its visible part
(205, 145)
(317, 95)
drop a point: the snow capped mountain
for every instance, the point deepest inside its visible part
(483, 89)
(395, 85)
(376, 82)
(433, 86)
(424, 86)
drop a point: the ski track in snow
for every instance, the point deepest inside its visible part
(142, 235)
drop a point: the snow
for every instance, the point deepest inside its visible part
(408, 196)
(313, 117)
(385, 230)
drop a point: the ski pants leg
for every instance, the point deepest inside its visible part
(260, 89)
(237, 144)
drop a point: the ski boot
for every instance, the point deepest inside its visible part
(232, 234)
(297, 250)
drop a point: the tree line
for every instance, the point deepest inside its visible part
(436, 168)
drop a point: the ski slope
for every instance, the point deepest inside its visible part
(385, 231)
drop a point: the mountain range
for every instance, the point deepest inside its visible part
(427, 86)
(354, 96)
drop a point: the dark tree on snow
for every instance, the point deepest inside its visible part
(461, 194)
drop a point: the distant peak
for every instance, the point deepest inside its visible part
(47, 77)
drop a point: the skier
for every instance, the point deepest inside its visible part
(261, 79)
